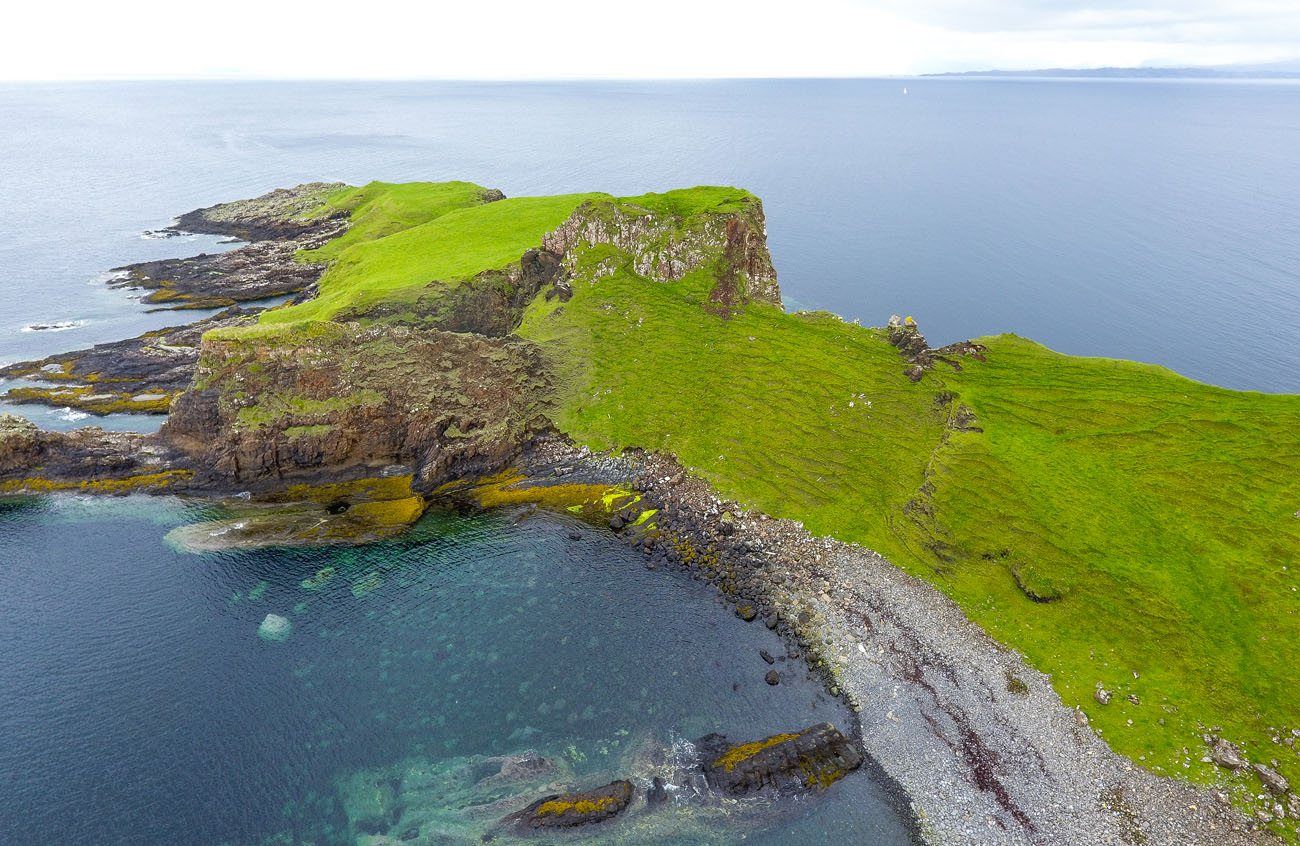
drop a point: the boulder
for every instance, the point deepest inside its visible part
(568, 810)
(1227, 755)
(1272, 779)
(811, 759)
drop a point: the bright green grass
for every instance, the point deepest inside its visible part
(1162, 508)
(449, 248)
(382, 208)
(643, 364)
(1165, 511)
(703, 199)
(404, 238)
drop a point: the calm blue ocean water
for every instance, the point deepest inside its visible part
(1158, 221)
(138, 704)
(1154, 220)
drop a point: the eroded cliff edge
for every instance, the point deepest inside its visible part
(460, 344)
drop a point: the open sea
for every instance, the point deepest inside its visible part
(1154, 220)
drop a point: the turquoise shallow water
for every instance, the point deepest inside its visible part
(139, 705)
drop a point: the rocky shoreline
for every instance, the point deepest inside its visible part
(278, 225)
(367, 421)
(975, 738)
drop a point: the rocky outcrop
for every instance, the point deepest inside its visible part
(285, 214)
(279, 224)
(256, 272)
(665, 248)
(905, 335)
(141, 374)
(570, 810)
(330, 401)
(812, 759)
(89, 459)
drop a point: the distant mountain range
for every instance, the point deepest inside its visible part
(1289, 69)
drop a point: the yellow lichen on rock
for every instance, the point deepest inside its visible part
(124, 485)
(582, 806)
(373, 488)
(389, 512)
(584, 499)
(736, 754)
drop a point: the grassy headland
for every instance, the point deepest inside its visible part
(1117, 523)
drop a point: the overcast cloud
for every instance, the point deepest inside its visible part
(514, 39)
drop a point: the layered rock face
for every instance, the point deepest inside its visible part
(330, 400)
(665, 248)
(89, 459)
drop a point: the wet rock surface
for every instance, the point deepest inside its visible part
(569, 810)
(142, 374)
(812, 759)
(279, 224)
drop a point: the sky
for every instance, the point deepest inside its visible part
(562, 39)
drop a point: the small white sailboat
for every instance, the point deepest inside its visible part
(904, 89)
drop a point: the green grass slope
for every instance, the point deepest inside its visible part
(1115, 522)
(1156, 515)
(406, 239)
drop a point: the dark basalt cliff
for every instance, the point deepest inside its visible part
(346, 401)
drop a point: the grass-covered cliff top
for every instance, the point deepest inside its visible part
(406, 239)
(1117, 523)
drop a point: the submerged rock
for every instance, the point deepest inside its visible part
(568, 810)
(275, 628)
(325, 519)
(812, 759)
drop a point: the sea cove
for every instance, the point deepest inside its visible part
(140, 706)
(442, 445)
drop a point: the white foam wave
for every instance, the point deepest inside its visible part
(55, 326)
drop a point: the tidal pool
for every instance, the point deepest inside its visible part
(143, 702)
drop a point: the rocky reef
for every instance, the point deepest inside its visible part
(814, 758)
(88, 460)
(659, 794)
(140, 375)
(279, 224)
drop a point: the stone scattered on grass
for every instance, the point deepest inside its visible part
(1227, 755)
